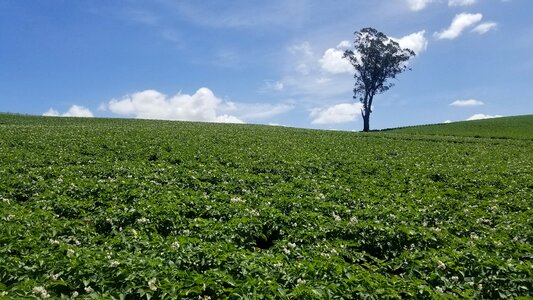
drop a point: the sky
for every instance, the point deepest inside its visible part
(276, 62)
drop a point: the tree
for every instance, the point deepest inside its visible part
(376, 59)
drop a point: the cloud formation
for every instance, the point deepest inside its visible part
(482, 116)
(485, 27)
(203, 105)
(417, 5)
(333, 62)
(414, 41)
(469, 102)
(73, 111)
(339, 113)
(255, 111)
(461, 2)
(270, 85)
(302, 48)
(459, 23)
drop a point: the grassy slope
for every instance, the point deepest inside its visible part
(113, 204)
(518, 127)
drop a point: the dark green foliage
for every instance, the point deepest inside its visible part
(131, 209)
(376, 59)
(517, 127)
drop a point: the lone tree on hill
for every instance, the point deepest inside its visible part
(376, 58)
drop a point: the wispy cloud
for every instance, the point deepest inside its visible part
(482, 116)
(417, 5)
(459, 24)
(243, 14)
(261, 111)
(461, 2)
(272, 85)
(485, 27)
(465, 103)
(301, 48)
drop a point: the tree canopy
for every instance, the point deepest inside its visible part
(376, 59)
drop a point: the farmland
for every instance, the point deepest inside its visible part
(129, 209)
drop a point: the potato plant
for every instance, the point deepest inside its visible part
(136, 209)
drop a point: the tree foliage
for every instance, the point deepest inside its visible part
(376, 59)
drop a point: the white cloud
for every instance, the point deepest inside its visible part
(343, 45)
(482, 116)
(151, 104)
(269, 85)
(469, 102)
(333, 62)
(276, 124)
(51, 113)
(302, 48)
(461, 2)
(414, 41)
(447, 121)
(458, 25)
(256, 111)
(340, 113)
(417, 5)
(73, 111)
(485, 27)
(302, 69)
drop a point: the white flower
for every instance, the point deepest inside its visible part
(292, 245)
(5, 200)
(439, 289)
(455, 278)
(353, 220)
(70, 253)
(41, 292)
(441, 265)
(336, 217)
(300, 281)
(4, 293)
(74, 294)
(54, 276)
(89, 290)
(143, 220)
(114, 263)
(152, 284)
(10, 217)
(237, 200)
(175, 245)
(53, 242)
(205, 297)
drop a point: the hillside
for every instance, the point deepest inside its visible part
(138, 209)
(517, 127)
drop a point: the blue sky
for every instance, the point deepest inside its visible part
(262, 62)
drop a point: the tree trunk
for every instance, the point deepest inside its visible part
(367, 109)
(366, 121)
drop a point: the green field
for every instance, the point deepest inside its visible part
(131, 209)
(519, 127)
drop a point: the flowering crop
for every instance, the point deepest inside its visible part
(128, 209)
